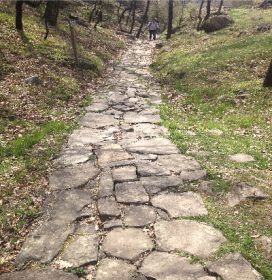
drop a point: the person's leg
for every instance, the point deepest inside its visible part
(150, 34)
(154, 34)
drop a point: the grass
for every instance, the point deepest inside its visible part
(204, 76)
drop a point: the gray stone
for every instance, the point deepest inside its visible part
(193, 175)
(150, 157)
(97, 120)
(162, 266)
(98, 107)
(111, 153)
(112, 224)
(243, 191)
(233, 267)
(120, 163)
(160, 146)
(74, 155)
(41, 274)
(205, 186)
(163, 215)
(242, 158)
(131, 192)
(150, 130)
(180, 205)
(140, 118)
(107, 208)
(189, 236)
(106, 184)
(178, 163)
(140, 277)
(131, 92)
(154, 185)
(147, 168)
(117, 97)
(33, 81)
(126, 244)
(112, 269)
(139, 216)
(85, 228)
(82, 251)
(73, 177)
(124, 174)
(264, 244)
(44, 243)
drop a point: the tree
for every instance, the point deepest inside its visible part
(133, 15)
(144, 19)
(170, 19)
(268, 78)
(51, 15)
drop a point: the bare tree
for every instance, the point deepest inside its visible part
(144, 19)
(268, 78)
(199, 16)
(208, 13)
(220, 7)
(133, 16)
(170, 19)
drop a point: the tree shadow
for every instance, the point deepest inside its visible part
(23, 36)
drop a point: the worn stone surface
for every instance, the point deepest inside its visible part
(193, 175)
(141, 118)
(74, 155)
(73, 177)
(160, 146)
(150, 130)
(124, 174)
(206, 186)
(85, 228)
(146, 168)
(164, 266)
(139, 216)
(243, 191)
(150, 157)
(264, 244)
(178, 163)
(98, 107)
(154, 185)
(189, 236)
(82, 251)
(180, 205)
(107, 208)
(41, 274)
(233, 267)
(113, 152)
(126, 244)
(106, 184)
(112, 224)
(97, 120)
(242, 158)
(112, 269)
(131, 192)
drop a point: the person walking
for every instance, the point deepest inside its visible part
(153, 26)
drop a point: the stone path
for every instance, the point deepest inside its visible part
(110, 211)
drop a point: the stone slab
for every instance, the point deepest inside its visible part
(111, 153)
(242, 158)
(108, 208)
(139, 215)
(131, 192)
(233, 267)
(97, 120)
(193, 175)
(187, 204)
(164, 266)
(146, 169)
(178, 163)
(126, 244)
(112, 269)
(189, 236)
(73, 177)
(106, 184)
(124, 174)
(98, 107)
(41, 274)
(132, 117)
(160, 146)
(154, 185)
(83, 251)
(150, 157)
(113, 224)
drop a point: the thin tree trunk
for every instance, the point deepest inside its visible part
(19, 15)
(92, 12)
(199, 15)
(268, 78)
(133, 16)
(170, 19)
(128, 17)
(144, 19)
(52, 12)
(123, 13)
(220, 7)
(208, 9)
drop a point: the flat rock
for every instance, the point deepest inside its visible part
(131, 117)
(73, 177)
(113, 224)
(107, 208)
(242, 158)
(112, 269)
(150, 157)
(117, 97)
(126, 244)
(154, 185)
(41, 274)
(146, 169)
(97, 120)
(111, 153)
(205, 186)
(243, 191)
(139, 216)
(189, 236)
(131, 192)
(85, 228)
(106, 184)
(124, 174)
(164, 266)
(150, 130)
(160, 146)
(178, 163)
(83, 251)
(74, 155)
(180, 205)
(233, 267)
(193, 175)
(98, 107)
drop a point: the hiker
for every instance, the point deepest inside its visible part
(156, 31)
(153, 26)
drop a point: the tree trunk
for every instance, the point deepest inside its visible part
(220, 7)
(52, 12)
(19, 15)
(133, 16)
(92, 12)
(170, 19)
(208, 9)
(144, 19)
(199, 15)
(268, 78)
